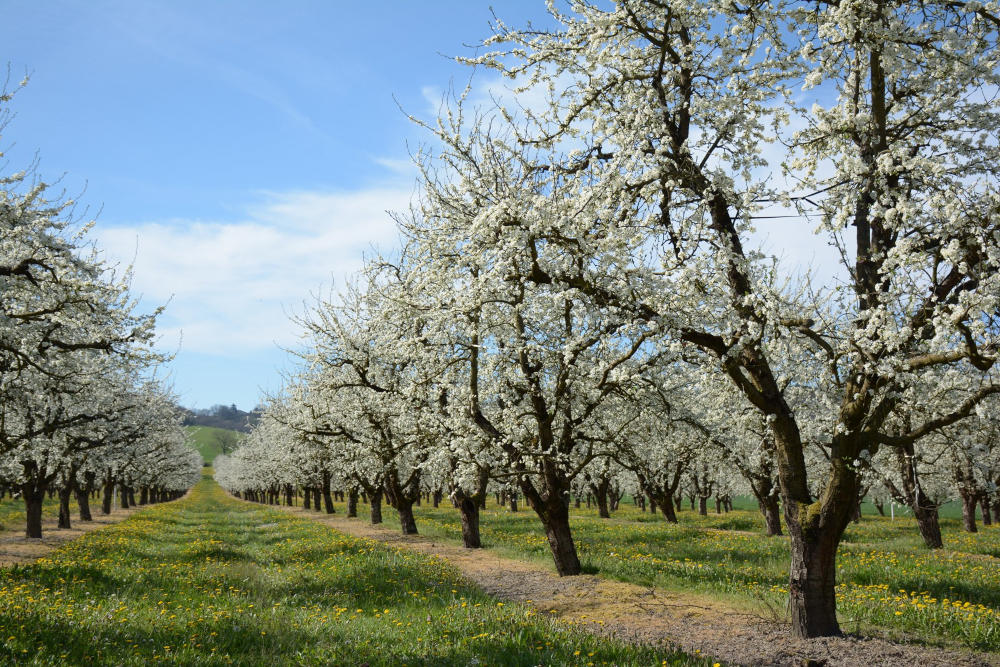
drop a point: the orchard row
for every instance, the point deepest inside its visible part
(581, 299)
(81, 410)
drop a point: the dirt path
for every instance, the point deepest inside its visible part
(698, 625)
(15, 548)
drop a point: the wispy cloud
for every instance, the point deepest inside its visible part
(232, 284)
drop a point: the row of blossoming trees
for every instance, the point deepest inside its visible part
(580, 291)
(80, 409)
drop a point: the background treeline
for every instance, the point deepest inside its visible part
(222, 416)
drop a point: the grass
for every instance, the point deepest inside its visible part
(12, 511)
(211, 580)
(211, 441)
(889, 583)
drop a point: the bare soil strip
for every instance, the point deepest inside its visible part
(699, 625)
(16, 549)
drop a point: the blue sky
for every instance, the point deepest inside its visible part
(241, 154)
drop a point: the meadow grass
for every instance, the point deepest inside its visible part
(212, 580)
(208, 440)
(889, 583)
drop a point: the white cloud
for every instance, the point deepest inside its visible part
(232, 284)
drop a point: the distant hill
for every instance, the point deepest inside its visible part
(211, 441)
(223, 416)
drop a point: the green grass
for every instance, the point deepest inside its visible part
(12, 511)
(889, 583)
(212, 580)
(211, 441)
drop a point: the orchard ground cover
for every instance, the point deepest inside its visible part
(12, 512)
(890, 585)
(212, 580)
(15, 548)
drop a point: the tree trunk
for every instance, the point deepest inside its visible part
(614, 500)
(927, 522)
(553, 511)
(557, 530)
(812, 590)
(667, 509)
(600, 491)
(512, 500)
(469, 510)
(109, 490)
(65, 493)
(306, 498)
(702, 506)
(984, 503)
(352, 503)
(33, 499)
(123, 496)
(404, 507)
(879, 505)
(375, 507)
(815, 529)
(968, 511)
(327, 498)
(83, 502)
(718, 505)
(772, 515)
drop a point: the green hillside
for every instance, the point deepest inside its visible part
(211, 441)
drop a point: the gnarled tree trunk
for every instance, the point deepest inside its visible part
(352, 502)
(83, 502)
(772, 514)
(109, 490)
(553, 510)
(375, 507)
(468, 507)
(600, 491)
(327, 498)
(968, 510)
(815, 530)
(407, 522)
(65, 493)
(33, 491)
(33, 500)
